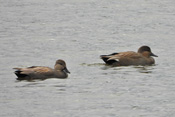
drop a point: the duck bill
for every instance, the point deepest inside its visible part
(153, 55)
(66, 70)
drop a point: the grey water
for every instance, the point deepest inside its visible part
(38, 32)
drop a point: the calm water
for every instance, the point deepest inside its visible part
(38, 32)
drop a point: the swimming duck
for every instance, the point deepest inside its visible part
(41, 72)
(141, 57)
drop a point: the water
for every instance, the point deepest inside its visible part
(38, 32)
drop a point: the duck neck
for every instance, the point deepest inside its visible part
(58, 67)
(146, 54)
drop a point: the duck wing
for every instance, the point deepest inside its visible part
(34, 72)
(129, 55)
(116, 58)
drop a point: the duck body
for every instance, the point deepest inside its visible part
(142, 57)
(42, 72)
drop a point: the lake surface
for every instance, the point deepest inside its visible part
(38, 32)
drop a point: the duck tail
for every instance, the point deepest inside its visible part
(105, 58)
(19, 74)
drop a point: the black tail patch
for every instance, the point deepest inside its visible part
(20, 76)
(106, 57)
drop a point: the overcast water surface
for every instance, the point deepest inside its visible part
(38, 32)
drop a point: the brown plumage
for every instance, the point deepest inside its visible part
(40, 72)
(142, 57)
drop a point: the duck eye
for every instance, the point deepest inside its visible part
(61, 63)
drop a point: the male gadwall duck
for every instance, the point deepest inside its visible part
(142, 57)
(40, 72)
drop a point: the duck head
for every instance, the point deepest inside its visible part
(61, 65)
(146, 51)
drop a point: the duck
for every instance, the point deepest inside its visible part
(41, 72)
(143, 56)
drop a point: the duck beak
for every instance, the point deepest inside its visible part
(66, 70)
(153, 55)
